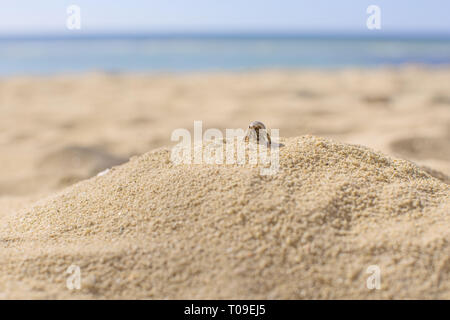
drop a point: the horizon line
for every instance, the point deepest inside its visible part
(270, 34)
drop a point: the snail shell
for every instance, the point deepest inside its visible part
(258, 129)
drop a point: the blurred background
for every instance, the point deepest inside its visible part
(86, 84)
(198, 35)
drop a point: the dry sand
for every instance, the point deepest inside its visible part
(55, 131)
(148, 229)
(151, 229)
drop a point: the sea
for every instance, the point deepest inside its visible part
(53, 54)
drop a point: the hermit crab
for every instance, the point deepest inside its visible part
(257, 129)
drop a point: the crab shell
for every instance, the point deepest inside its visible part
(255, 126)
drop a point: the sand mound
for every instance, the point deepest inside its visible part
(150, 229)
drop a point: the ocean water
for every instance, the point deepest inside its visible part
(40, 55)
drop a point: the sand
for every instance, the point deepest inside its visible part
(98, 119)
(150, 229)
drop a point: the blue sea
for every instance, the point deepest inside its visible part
(181, 53)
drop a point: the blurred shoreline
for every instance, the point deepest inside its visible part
(77, 53)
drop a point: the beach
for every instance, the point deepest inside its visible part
(364, 180)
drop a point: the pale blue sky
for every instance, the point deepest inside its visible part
(26, 16)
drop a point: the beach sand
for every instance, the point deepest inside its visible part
(149, 229)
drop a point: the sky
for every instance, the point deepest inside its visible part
(98, 16)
